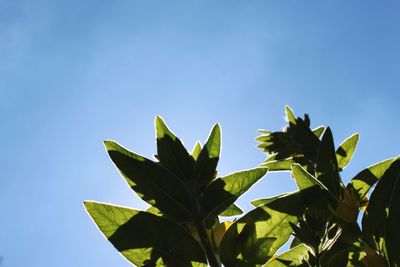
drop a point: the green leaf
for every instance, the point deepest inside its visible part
(318, 131)
(278, 165)
(293, 257)
(363, 181)
(224, 191)
(232, 210)
(327, 167)
(346, 150)
(152, 182)
(263, 201)
(304, 179)
(171, 152)
(382, 217)
(206, 163)
(196, 150)
(314, 192)
(146, 239)
(266, 226)
(289, 115)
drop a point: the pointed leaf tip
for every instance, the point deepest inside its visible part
(213, 143)
(162, 128)
(290, 115)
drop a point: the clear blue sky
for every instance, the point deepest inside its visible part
(73, 73)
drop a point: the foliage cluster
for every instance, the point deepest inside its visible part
(187, 199)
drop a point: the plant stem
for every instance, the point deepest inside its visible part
(211, 257)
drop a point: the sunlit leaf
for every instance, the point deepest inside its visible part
(171, 152)
(152, 182)
(146, 239)
(224, 191)
(363, 181)
(207, 160)
(346, 150)
(289, 115)
(319, 131)
(196, 150)
(296, 256)
(232, 210)
(255, 238)
(263, 201)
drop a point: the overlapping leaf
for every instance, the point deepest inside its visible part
(380, 221)
(171, 152)
(146, 239)
(363, 181)
(224, 191)
(256, 237)
(152, 182)
(295, 257)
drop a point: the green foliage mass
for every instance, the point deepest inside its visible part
(187, 199)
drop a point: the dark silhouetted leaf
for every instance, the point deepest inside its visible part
(145, 239)
(327, 167)
(382, 216)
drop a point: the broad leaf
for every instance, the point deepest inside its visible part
(224, 191)
(278, 165)
(232, 210)
(363, 181)
(254, 238)
(381, 219)
(207, 160)
(171, 152)
(346, 150)
(152, 182)
(296, 256)
(304, 179)
(145, 239)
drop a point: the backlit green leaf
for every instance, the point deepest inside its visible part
(152, 182)
(346, 150)
(319, 131)
(363, 181)
(266, 226)
(296, 256)
(146, 239)
(171, 152)
(207, 160)
(289, 115)
(232, 210)
(224, 191)
(196, 150)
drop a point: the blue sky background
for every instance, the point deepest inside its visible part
(73, 73)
